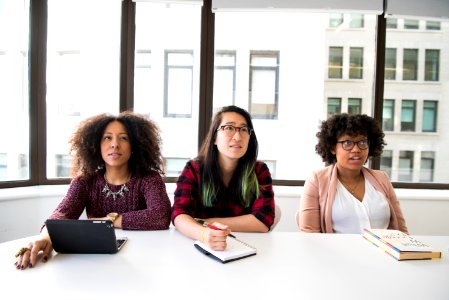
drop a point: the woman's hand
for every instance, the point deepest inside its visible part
(214, 235)
(41, 248)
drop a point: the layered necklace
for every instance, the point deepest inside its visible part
(120, 193)
(353, 189)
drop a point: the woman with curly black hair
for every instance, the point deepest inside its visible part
(116, 169)
(346, 196)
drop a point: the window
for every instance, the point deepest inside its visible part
(14, 83)
(356, 63)
(335, 20)
(390, 63)
(356, 21)
(433, 25)
(178, 90)
(388, 115)
(143, 80)
(224, 78)
(63, 163)
(427, 166)
(411, 24)
(354, 106)
(405, 166)
(335, 62)
(392, 23)
(174, 166)
(386, 162)
(166, 71)
(407, 122)
(410, 64)
(313, 54)
(408, 115)
(429, 118)
(264, 84)
(83, 64)
(432, 67)
(333, 106)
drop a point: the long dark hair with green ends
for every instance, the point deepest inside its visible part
(243, 185)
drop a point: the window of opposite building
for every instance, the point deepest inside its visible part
(333, 106)
(388, 115)
(166, 74)
(354, 106)
(335, 62)
(264, 84)
(427, 166)
(411, 24)
(432, 65)
(433, 25)
(386, 162)
(224, 78)
(178, 89)
(405, 172)
(357, 21)
(410, 64)
(390, 63)
(430, 111)
(356, 63)
(408, 115)
(335, 20)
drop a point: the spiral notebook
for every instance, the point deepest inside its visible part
(235, 249)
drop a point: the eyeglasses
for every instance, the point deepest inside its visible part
(348, 145)
(230, 130)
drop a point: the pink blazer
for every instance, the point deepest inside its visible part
(315, 209)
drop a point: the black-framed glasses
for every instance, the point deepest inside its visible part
(348, 145)
(230, 130)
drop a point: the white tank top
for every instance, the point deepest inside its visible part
(349, 215)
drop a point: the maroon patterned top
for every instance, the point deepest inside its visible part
(145, 206)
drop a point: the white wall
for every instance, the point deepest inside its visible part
(23, 210)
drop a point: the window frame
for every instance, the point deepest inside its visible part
(37, 75)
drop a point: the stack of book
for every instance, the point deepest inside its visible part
(399, 244)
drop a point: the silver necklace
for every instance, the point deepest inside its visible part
(119, 193)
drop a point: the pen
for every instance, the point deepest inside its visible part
(216, 228)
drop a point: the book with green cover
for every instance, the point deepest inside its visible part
(399, 244)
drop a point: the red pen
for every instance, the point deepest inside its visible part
(216, 228)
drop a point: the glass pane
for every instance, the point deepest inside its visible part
(167, 89)
(14, 109)
(429, 118)
(424, 53)
(410, 64)
(303, 87)
(82, 70)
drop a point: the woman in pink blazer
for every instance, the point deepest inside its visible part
(346, 196)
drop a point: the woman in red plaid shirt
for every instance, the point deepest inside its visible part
(225, 188)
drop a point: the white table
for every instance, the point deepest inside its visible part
(289, 265)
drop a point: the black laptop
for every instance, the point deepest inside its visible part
(84, 236)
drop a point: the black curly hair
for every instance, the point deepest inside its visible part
(352, 125)
(144, 136)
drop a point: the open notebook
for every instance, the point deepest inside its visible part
(84, 236)
(236, 249)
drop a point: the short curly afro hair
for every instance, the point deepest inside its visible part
(352, 125)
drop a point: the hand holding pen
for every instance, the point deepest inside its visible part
(214, 235)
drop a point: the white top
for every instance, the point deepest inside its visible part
(292, 265)
(349, 215)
